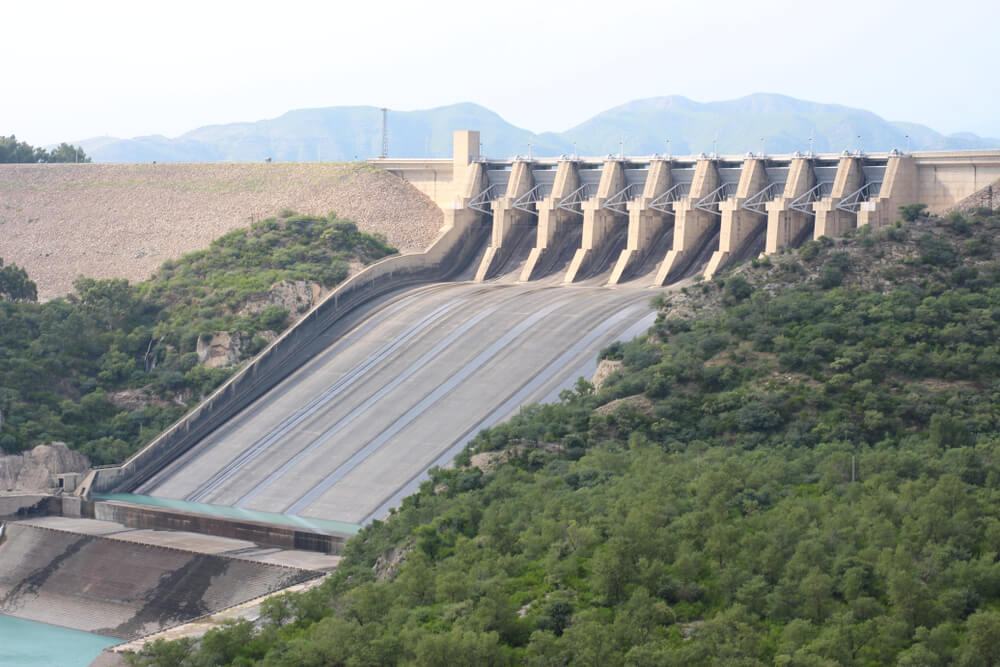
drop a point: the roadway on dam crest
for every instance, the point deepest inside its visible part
(402, 387)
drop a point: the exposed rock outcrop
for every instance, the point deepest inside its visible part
(296, 297)
(35, 471)
(222, 349)
(605, 369)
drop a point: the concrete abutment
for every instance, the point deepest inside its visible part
(737, 222)
(553, 221)
(691, 224)
(508, 217)
(645, 223)
(599, 223)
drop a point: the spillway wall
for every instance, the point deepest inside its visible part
(123, 589)
(453, 250)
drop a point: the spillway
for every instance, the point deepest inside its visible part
(404, 385)
(122, 589)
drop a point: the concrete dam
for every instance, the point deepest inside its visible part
(120, 588)
(541, 262)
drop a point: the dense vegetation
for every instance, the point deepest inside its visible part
(799, 464)
(66, 364)
(12, 150)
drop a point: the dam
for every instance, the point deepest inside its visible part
(541, 263)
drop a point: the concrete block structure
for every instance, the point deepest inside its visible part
(646, 220)
(831, 218)
(707, 211)
(787, 217)
(693, 221)
(509, 212)
(739, 221)
(555, 217)
(599, 220)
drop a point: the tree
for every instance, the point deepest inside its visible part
(14, 284)
(67, 153)
(981, 644)
(110, 301)
(911, 212)
(14, 151)
(737, 289)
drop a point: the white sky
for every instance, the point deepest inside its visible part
(74, 70)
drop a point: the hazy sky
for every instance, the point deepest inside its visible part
(74, 70)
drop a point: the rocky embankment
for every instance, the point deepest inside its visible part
(35, 471)
(60, 221)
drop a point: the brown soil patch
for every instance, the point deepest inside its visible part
(640, 403)
(60, 221)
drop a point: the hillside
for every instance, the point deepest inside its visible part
(107, 368)
(352, 133)
(798, 464)
(59, 221)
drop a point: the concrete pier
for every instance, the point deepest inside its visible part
(507, 215)
(899, 187)
(691, 224)
(785, 222)
(645, 223)
(738, 223)
(553, 221)
(831, 219)
(598, 221)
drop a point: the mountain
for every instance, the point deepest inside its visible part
(784, 122)
(354, 132)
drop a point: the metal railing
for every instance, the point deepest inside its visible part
(852, 202)
(758, 202)
(710, 202)
(673, 193)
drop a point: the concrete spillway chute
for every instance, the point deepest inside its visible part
(512, 212)
(604, 227)
(649, 234)
(558, 230)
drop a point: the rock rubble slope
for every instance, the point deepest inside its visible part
(60, 221)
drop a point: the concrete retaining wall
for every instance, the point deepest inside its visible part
(123, 589)
(27, 506)
(264, 534)
(446, 257)
(145, 517)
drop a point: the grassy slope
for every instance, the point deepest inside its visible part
(799, 465)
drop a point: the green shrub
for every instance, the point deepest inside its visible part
(910, 212)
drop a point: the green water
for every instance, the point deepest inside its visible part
(31, 644)
(318, 525)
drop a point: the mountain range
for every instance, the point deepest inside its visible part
(785, 124)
